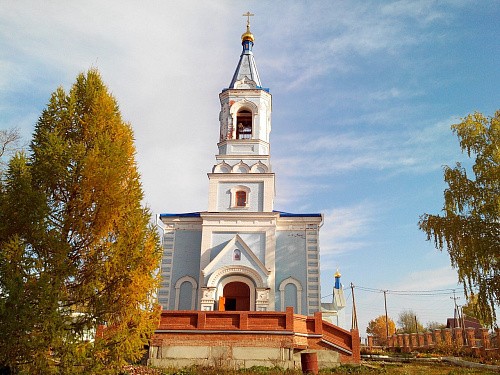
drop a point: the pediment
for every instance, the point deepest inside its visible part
(236, 243)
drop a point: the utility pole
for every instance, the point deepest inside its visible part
(462, 321)
(455, 313)
(354, 320)
(386, 317)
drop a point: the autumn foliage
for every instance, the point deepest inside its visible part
(378, 329)
(77, 250)
(469, 227)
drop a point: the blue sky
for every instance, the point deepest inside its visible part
(364, 93)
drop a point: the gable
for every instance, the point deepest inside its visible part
(225, 258)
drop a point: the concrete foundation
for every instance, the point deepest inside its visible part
(235, 357)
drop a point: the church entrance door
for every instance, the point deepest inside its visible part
(237, 296)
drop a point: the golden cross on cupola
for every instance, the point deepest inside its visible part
(248, 36)
(248, 15)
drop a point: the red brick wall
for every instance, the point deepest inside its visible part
(255, 329)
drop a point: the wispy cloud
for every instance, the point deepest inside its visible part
(430, 279)
(153, 60)
(346, 228)
(412, 151)
(424, 12)
(364, 29)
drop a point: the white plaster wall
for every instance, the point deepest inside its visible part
(255, 197)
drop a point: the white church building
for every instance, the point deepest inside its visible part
(242, 254)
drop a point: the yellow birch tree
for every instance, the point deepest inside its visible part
(378, 328)
(469, 228)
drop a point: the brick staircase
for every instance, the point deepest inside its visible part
(248, 338)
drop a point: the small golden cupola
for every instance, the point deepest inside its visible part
(248, 36)
(246, 75)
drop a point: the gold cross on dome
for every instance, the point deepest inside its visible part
(248, 15)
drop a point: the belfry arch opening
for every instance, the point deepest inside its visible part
(236, 296)
(244, 124)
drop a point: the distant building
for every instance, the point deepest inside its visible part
(465, 322)
(334, 311)
(241, 254)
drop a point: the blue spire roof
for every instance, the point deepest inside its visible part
(246, 70)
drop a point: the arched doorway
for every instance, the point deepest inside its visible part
(236, 274)
(237, 296)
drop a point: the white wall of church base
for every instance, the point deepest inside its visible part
(235, 357)
(250, 223)
(223, 356)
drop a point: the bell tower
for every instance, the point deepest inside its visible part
(241, 179)
(241, 254)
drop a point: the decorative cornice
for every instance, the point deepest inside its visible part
(213, 280)
(239, 215)
(232, 177)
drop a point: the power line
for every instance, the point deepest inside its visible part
(434, 292)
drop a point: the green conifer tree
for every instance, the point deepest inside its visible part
(76, 244)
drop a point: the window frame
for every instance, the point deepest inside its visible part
(235, 192)
(240, 198)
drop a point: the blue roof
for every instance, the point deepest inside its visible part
(197, 214)
(185, 214)
(246, 68)
(288, 214)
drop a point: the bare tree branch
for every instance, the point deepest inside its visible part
(9, 141)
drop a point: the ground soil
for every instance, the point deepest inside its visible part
(366, 368)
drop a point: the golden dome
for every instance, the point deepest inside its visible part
(337, 274)
(247, 35)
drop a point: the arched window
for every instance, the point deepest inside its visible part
(185, 293)
(291, 294)
(241, 198)
(244, 124)
(290, 298)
